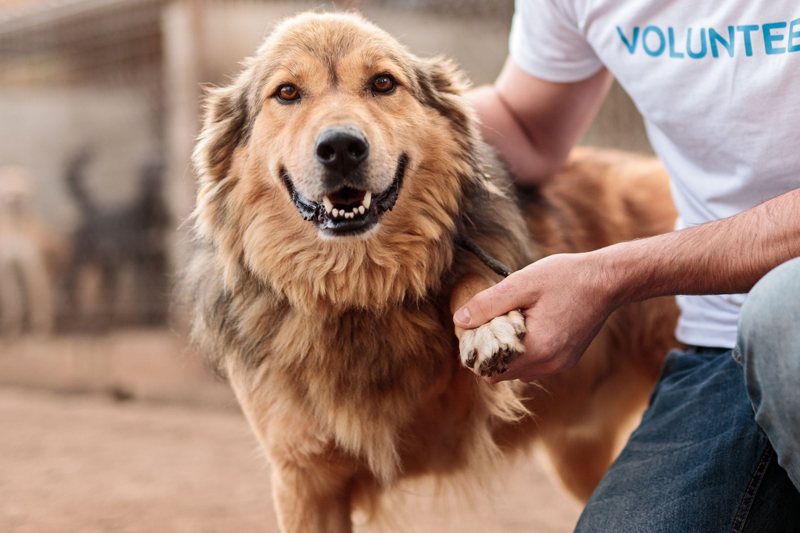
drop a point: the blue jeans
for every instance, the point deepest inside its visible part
(704, 456)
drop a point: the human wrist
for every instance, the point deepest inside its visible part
(627, 272)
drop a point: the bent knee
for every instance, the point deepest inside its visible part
(771, 313)
(774, 302)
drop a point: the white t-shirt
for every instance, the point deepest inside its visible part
(718, 84)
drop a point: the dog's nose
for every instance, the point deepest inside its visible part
(341, 149)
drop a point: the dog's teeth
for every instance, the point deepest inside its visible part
(349, 215)
(335, 213)
(355, 210)
(361, 210)
(328, 204)
(367, 200)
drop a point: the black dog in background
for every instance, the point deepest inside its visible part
(115, 239)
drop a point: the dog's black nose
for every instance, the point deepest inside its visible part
(341, 148)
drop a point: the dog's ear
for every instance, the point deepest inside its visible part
(226, 125)
(440, 86)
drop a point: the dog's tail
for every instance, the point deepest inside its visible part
(76, 173)
(152, 207)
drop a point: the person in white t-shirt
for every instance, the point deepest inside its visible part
(718, 85)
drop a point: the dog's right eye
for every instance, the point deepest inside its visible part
(383, 84)
(287, 93)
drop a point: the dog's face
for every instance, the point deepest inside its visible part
(16, 189)
(346, 120)
(339, 121)
(332, 125)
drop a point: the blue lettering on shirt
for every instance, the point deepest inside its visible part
(794, 34)
(746, 31)
(662, 43)
(631, 46)
(672, 52)
(769, 38)
(778, 38)
(715, 38)
(702, 52)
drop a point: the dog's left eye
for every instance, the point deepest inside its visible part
(383, 84)
(287, 93)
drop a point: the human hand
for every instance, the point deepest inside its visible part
(565, 300)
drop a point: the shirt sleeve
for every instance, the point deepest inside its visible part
(546, 42)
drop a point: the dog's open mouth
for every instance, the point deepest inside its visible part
(348, 211)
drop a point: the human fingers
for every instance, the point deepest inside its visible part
(511, 293)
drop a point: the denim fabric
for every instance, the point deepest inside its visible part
(698, 462)
(768, 347)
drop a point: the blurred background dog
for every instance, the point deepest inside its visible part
(115, 243)
(29, 253)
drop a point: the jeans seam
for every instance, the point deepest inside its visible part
(737, 355)
(752, 489)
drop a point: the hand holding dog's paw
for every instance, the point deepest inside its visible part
(489, 349)
(565, 299)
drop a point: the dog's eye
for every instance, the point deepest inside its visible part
(287, 93)
(383, 84)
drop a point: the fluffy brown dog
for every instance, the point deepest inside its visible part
(337, 173)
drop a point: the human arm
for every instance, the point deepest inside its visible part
(566, 297)
(534, 123)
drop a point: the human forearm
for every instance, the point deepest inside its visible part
(526, 160)
(534, 123)
(722, 257)
(565, 298)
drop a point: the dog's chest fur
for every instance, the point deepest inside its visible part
(360, 377)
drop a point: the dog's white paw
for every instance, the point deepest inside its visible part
(490, 348)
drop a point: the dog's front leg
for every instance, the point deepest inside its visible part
(489, 349)
(313, 499)
(312, 479)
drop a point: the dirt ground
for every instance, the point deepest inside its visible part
(88, 464)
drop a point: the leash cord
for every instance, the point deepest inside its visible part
(468, 244)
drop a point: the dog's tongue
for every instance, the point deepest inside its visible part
(347, 196)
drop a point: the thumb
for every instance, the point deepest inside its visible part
(498, 300)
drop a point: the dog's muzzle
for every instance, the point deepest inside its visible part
(348, 211)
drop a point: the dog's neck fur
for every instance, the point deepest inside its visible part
(403, 262)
